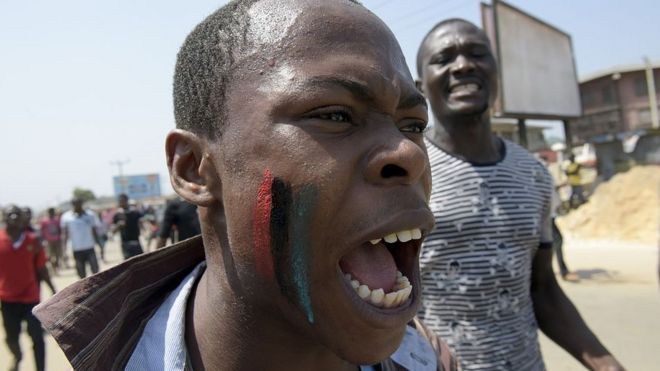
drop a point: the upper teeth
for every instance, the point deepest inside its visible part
(403, 236)
(470, 86)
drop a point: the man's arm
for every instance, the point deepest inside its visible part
(560, 321)
(166, 225)
(96, 237)
(40, 267)
(43, 275)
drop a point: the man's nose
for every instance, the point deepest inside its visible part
(462, 64)
(399, 161)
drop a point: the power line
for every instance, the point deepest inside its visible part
(415, 12)
(421, 22)
(380, 6)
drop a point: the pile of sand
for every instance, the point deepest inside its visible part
(627, 207)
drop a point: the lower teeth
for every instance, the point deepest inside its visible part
(399, 295)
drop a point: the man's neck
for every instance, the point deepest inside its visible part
(467, 137)
(220, 336)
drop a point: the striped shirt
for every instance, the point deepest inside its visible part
(476, 264)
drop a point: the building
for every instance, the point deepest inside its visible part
(508, 128)
(613, 102)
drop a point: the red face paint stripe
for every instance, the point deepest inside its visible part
(262, 256)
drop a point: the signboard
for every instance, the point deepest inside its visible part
(537, 74)
(137, 186)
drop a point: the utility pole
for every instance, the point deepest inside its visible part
(120, 167)
(650, 84)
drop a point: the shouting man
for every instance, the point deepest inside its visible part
(299, 138)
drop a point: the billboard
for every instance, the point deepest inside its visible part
(137, 186)
(537, 74)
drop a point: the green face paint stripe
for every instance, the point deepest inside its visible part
(303, 207)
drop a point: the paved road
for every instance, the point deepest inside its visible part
(620, 300)
(618, 296)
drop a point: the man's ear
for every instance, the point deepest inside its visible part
(192, 173)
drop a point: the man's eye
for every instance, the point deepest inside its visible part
(478, 53)
(415, 128)
(439, 59)
(335, 116)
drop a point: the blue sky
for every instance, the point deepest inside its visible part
(86, 83)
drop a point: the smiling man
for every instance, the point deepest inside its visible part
(487, 267)
(299, 138)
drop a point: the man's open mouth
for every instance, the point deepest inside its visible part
(465, 88)
(378, 270)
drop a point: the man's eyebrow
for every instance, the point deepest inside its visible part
(362, 91)
(358, 89)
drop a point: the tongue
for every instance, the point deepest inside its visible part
(372, 265)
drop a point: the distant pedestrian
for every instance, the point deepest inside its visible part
(22, 267)
(181, 215)
(102, 232)
(127, 222)
(51, 233)
(572, 171)
(558, 241)
(79, 225)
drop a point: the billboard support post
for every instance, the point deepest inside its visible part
(568, 137)
(522, 132)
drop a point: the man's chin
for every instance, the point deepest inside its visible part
(466, 110)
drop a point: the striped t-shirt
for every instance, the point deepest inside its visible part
(476, 264)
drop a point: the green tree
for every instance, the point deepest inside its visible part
(83, 194)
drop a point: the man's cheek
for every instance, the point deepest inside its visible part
(281, 235)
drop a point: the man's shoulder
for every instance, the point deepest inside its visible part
(117, 304)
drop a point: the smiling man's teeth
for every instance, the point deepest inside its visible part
(401, 236)
(465, 87)
(378, 297)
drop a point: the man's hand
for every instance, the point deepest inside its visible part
(604, 363)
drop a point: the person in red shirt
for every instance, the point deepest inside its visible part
(51, 235)
(22, 267)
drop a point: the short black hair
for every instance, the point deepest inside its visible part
(204, 65)
(437, 25)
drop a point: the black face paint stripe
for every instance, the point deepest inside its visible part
(279, 226)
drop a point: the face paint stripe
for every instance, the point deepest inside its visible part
(263, 259)
(279, 231)
(303, 207)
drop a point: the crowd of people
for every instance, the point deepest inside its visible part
(338, 232)
(30, 252)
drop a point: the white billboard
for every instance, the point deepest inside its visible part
(536, 66)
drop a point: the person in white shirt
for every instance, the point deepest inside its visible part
(79, 225)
